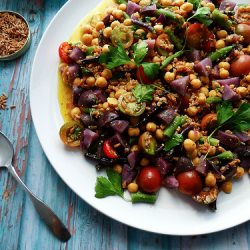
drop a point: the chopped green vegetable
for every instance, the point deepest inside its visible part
(178, 121)
(196, 3)
(111, 186)
(151, 70)
(226, 155)
(141, 197)
(213, 100)
(171, 58)
(221, 19)
(174, 141)
(213, 142)
(220, 53)
(140, 51)
(202, 15)
(89, 51)
(175, 40)
(143, 93)
(170, 15)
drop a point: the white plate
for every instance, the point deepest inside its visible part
(173, 213)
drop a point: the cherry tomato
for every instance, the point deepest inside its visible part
(64, 52)
(163, 44)
(208, 122)
(243, 30)
(109, 151)
(70, 134)
(147, 143)
(141, 76)
(149, 179)
(189, 182)
(241, 66)
(199, 37)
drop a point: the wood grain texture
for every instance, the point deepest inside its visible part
(20, 227)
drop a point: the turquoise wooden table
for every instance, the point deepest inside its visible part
(20, 226)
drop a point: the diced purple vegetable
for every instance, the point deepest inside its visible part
(76, 54)
(180, 85)
(128, 175)
(77, 91)
(167, 115)
(229, 94)
(226, 139)
(119, 139)
(133, 159)
(106, 118)
(161, 19)
(149, 10)
(100, 95)
(203, 166)
(106, 20)
(214, 168)
(245, 163)
(170, 182)
(242, 151)
(87, 99)
(143, 25)
(150, 43)
(73, 71)
(194, 55)
(87, 120)
(163, 166)
(87, 138)
(230, 81)
(132, 8)
(228, 171)
(244, 137)
(119, 125)
(183, 164)
(227, 6)
(203, 67)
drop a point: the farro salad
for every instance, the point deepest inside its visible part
(160, 97)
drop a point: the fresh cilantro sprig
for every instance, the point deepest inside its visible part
(109, 186)
(140, 51)
(143, 93)
(174, 141)
(196, 3)
(151, 70)
(203, 15)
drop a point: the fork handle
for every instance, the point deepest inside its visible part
(48, 216)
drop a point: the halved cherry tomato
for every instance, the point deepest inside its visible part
(209, 121)
(109, 151)
(149, 179)
(122, 34)
(163, 44)
(241, 66)
(189, 182)
(64, 52)
(147, 143)
(70, 134)
(199, 37)
(141, 76)
(243, 30)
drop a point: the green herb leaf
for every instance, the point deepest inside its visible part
(140, 52)
(196, 3)
(141, 197)
(143, 93)
(202, 15)
(89, 51)
(224, 112)
(174, 141)
(112, 186)
(151, 70)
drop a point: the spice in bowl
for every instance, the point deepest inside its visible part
(14, 35)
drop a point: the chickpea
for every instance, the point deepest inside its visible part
(122, 7)
(224, 65)
(189, 145)
(239, 172)
(101, 82)
(166, 3)
(248, 76)
(107, 32)
(151, 127)
(242, 91)
(118, 168)
(90, 81)
(156, 59)
(87, 29)
(211, 150)
(188, 7)
(139, 32)
(202, 98)
(193, 154)
(220, 44)
(107, 73)
(132, 187)
(194, 135)
(227, 187)
(144, 162)
(205, 79)
(114, 24)
(159, 134)
(95, 42)
(192, 111)
(144, 2)
(248, 49)
(105, 105)
(196, 161)
(127, 22)
(136, 1)
(192, 77)
(210, 180)
(210, 6)
(169, 77)
(113, 102)
(105, 48)
(222, 34)
(179, 2)
(212, 93)
(204, 90)
(215, 85)
(196, 83)
(134, 148)
(158, 28)
(77, 81)
(224, 73)
(95, 34)
(118, 14)
(75, 113)
(87, 39)
(133, 131)
(100, 26)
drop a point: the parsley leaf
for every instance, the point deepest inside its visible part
(116, 56)
(112, 186)
(174, 141)
(140, 52)
(143, 93)
(196, 3)
(151, 70)
(224, 112)
(202, 15)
